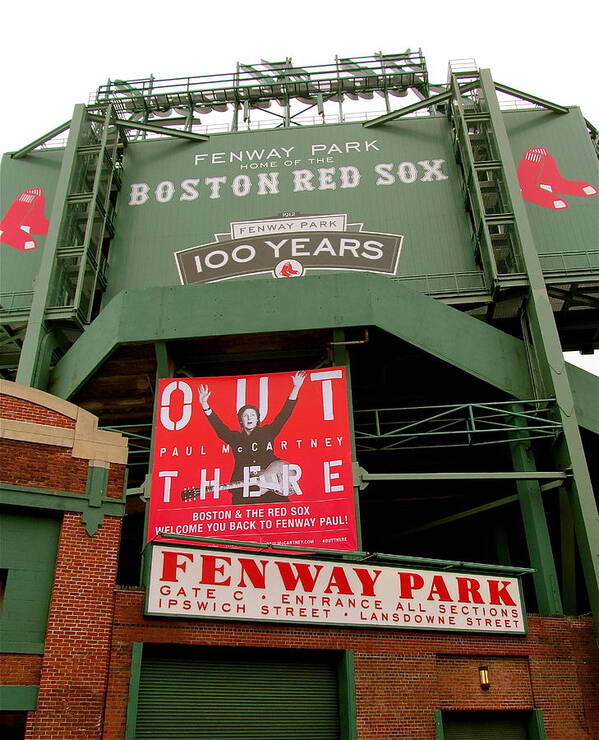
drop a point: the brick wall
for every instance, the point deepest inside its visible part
(42, 466)
(403, 676)
(22, 410)
(74, 671)
(20, 670)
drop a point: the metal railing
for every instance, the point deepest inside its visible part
(19, 300)
(454, 283)
(456, 425)
(415, 427)
(586, 260)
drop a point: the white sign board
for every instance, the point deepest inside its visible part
(193, 582)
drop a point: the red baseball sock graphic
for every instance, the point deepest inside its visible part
(287, 270)
(552, 177)
(17, 238)
(35, 218)
(533, 190)
(24, 217)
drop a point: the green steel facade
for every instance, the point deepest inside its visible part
(473, 439)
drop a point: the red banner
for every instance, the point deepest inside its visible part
(261, 458)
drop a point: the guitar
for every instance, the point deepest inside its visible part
(274, 478)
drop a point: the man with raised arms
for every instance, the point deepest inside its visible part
(253, 447)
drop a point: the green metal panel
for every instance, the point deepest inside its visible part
(29, 579)
(18, 269)
(485, 726)
(549, 370)
(348, 714)
(136, 658)
(335, 301)
(18, 698)
(536, 725)
(560, 232)
(427, 211)
(234, 695)
(585, 389)
(439, 731)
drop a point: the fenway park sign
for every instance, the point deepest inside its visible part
(193, 582)
(286, 246)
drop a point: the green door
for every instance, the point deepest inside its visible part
(486, 725)
(236, 693)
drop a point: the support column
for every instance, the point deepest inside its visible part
(545, 344)
(34, 362)
(535, 524)
(341, 357)
(568, 553)
(164, 369)
(77, 648)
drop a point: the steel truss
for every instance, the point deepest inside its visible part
(456, 425)
(178, 101)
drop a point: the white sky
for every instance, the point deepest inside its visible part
(54, 55)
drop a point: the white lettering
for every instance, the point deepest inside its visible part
(325, 180)
(385, 176)
(251, 253)
(168, 475)
(165, 401)
(214, 183)
(432, 170)
(326, 376)
(301, 180)
(189, 189)
(268, 183)
(407, 172)
(139, 193)
(241, 185)
(329, 476)
(164, 191)
(350, 177)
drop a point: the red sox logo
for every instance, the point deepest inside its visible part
(542, 183)
(24, 217)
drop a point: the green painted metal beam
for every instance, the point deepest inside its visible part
(341, 357)
(509, 475)
(531, 98)
(41, 140)
(439, 730)
(426, 103)
(41, 498)
(550, 374)
(585, 387)
(34, 359)
(348, 711)
(535, 522)
(162, 130)
(336, 300)
(568, 553)
(133, 698)
(351, 555)
(164, 369)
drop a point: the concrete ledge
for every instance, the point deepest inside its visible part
(85, 441)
